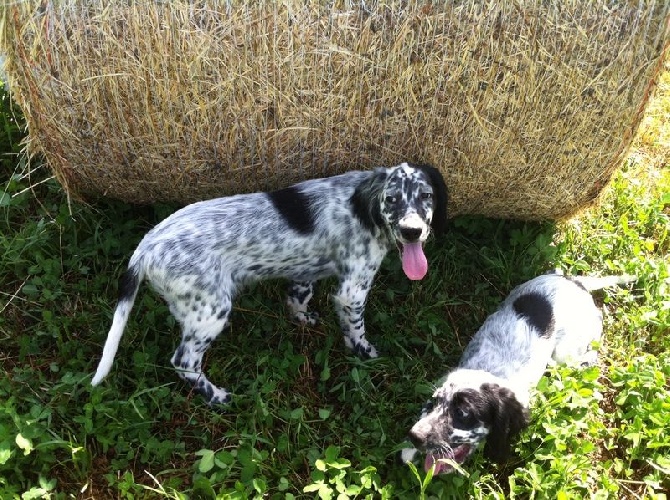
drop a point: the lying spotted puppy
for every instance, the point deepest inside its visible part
(485, 399)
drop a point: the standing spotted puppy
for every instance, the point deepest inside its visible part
(201, 256)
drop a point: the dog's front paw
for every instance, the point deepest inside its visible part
(365, 350)
(220, 400)
(214, 396)
(307, 318)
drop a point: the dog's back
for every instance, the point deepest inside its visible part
(548, 317)
(571, 319)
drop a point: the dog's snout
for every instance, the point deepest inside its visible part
(410, 233)
(418, 436)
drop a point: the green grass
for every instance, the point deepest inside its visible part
(308, 420)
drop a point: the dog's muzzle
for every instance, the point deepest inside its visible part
(414, 262)
(410, 233)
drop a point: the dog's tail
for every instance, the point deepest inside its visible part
(591, 283)
(128, 286)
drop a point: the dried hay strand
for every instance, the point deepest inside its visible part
(527, 107)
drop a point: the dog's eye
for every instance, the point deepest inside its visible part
(426, 196)
(391, 199)
(461, 417)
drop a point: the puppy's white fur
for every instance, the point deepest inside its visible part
(200, 257)
(551, 318)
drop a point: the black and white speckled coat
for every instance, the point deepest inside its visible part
(199, 257)
(485, 400)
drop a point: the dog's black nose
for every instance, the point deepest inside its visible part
(410, 233)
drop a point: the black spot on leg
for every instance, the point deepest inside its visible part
(537, 311)
(300, 292)
(294, 207)
(178, 355)
(205, 389)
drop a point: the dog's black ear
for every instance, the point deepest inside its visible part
(440, 195)
(508, 417)
(366, 200)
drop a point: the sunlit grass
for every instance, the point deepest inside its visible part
(308, 419)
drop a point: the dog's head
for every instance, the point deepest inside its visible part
(470, 408)
(406, 201)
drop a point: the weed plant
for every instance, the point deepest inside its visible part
(309, 420)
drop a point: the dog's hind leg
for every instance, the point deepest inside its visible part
(201, 321)
(299, 295)
(581, 325)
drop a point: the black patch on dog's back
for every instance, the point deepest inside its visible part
(537, 311)
(295, 207)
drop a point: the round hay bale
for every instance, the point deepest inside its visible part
(527, 107)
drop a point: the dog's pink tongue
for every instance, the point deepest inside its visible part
(440, 467)
(414, 261)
